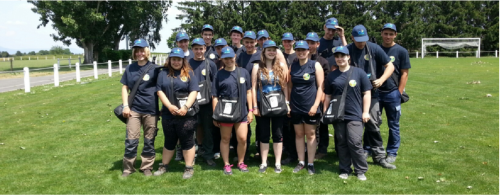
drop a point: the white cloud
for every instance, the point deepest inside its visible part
(10, 33)
(17, 22)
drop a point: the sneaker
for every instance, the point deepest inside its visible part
(390, 159)
(242, 167)
(310, 169)
(320, 155)
(298, 168)
(161, 169)
(147, 172)
(344, 176)
(287, 161)
(365, 155)
(125, 174)
(227, 170)
(278, 169)
(361, 177)
(211, 162)
(178, 154)
(386, 165)
(262, 168)
(217, 155)
(188, 173)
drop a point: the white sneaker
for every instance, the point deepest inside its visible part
(344, 176)
(362, 177)
(217, 155)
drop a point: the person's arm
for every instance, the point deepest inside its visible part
(189, 103)
(367, 97)
(389, 68)
(255, 70)
(249, 104)
(126, 108)
(280, 57)
(319, 92)
(340, 31)
(290, 86)
(326, 102)
(403, 80)
(172, 108)
(285, 89)
(214, 103)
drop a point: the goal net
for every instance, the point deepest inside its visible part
(451, 43)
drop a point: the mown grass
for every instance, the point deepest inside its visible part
(74, 145)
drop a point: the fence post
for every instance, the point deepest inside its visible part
(417, 54)
(457, 54)
(56, 75)
(437, 54)
(58, 63)
(80, 60)
(109, 68)
(45, 57)
(29, 58)
(95, 69)
(120, 65)
(27, 88)
(69, 62)
(36, 58)
(77, 72)
(496, 53)
(11, 65)
(21, 58)
(129, 61)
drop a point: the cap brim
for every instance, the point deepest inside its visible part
(361, 39)
(329, 26)
(389, 29)
(182, 39)
(291, 39)
(314, 40)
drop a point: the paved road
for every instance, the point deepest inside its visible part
(18, 83)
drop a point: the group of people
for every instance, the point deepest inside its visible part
(214, 91)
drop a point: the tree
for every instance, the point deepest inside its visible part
(32, 53)
(4, 54)
(43, 52)
(55, 50)
(171, 40)
(19, 53)
(96, 25)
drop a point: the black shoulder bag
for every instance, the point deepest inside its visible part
(373, 74)
(179, 99)
(228, 109)
(271, 104)
(204, 94)
(336, 108)
(119, 109)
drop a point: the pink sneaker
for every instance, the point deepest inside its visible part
(227, 170)
(242, 167)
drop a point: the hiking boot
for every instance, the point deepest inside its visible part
(390, 159)
(125, 174)
(278, 169)
(361, 177)
(227, 169)
(310, 169)
(211, 162)
(344, 176)
(287, 161)
(262, 168)
(386, 165)
(297, 168)
(178, 154)
(188, 173)
(161, 169)
(242, 167)
(147, 172)
(320, 155)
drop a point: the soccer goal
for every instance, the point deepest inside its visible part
(452, 43)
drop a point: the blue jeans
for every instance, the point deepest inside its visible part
(391, 103)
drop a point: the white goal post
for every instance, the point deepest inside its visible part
(452, 43)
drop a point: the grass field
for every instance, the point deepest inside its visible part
(66, 140)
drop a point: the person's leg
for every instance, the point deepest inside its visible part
(225, 133)
(289, 141)
(372, 132)
(131, 142)
(205, 124)
(355, 148)
(241, 135)
(216, 140)
(299, 141)
(392, 104)
(169, 144)
(264, 134)
(248, 141)
(310, 132)
(342, 148)
(185, 132)
(277, 129)
(149, 123)
(324, 140)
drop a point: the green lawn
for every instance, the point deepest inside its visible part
(66, 140)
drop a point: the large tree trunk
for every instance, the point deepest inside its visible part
(88, 50)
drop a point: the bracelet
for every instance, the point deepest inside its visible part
(254, 107)
(250, 110)
(287, 102)
(186, 107)
(124, 106)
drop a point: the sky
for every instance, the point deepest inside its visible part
(18, 30)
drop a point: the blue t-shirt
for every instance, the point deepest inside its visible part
(361, 59)
(225, 85)
(268, 85)
(304, 87)
(290, 58)
(358, 83)
(246, 61)
(211, 54)
(181, 84)
(199, 69)
(146, 99)
(190, 56)
(326, 46)
(401, 60)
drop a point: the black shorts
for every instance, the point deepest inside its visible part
(305, 118)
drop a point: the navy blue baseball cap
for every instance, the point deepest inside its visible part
(140, 43)
(360, 33)
(207, 26)
(249, 34)
(181, 36)
(287, 36)
(227, 52)
(269, 43)
(312, 36)
(331, 23)
(390, 26)
(341, 49)
(262, 33)
(198, 41)
(176, 52)
(301, 44)
(237, 29)
(220, 42)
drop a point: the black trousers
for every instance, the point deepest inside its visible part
(289, 139)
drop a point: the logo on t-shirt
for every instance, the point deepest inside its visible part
(392, 59)
(146, 77)
(184, 79)
(367, 57)
(352, 83)
(242, 80)
(212, 56)
(306, 76)
(203, 72)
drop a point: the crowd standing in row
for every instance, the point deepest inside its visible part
(213, 92)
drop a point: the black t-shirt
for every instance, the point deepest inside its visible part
(401, 60)
(304, 87)
(323, 62)
(246, 61)
(211, 54)
(326, 46)
(239, 50)
(200, 71)
(358, 83)
(146, 99)
(181, 84)
(189, 56)
(226, 85)
(290, 58)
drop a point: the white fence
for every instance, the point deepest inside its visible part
(477, 54)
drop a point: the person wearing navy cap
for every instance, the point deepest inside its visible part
(175, 79)
(219, 44)
(349, 132)
(207, 32)
(306, 84)
(143, 111)
(334, 36)
(204, 70)
(287, 40)
(269, 76)
(236, 34)
(227, 84)
(182, 41)
(312, 39)
(362, 52)
(391, 91)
